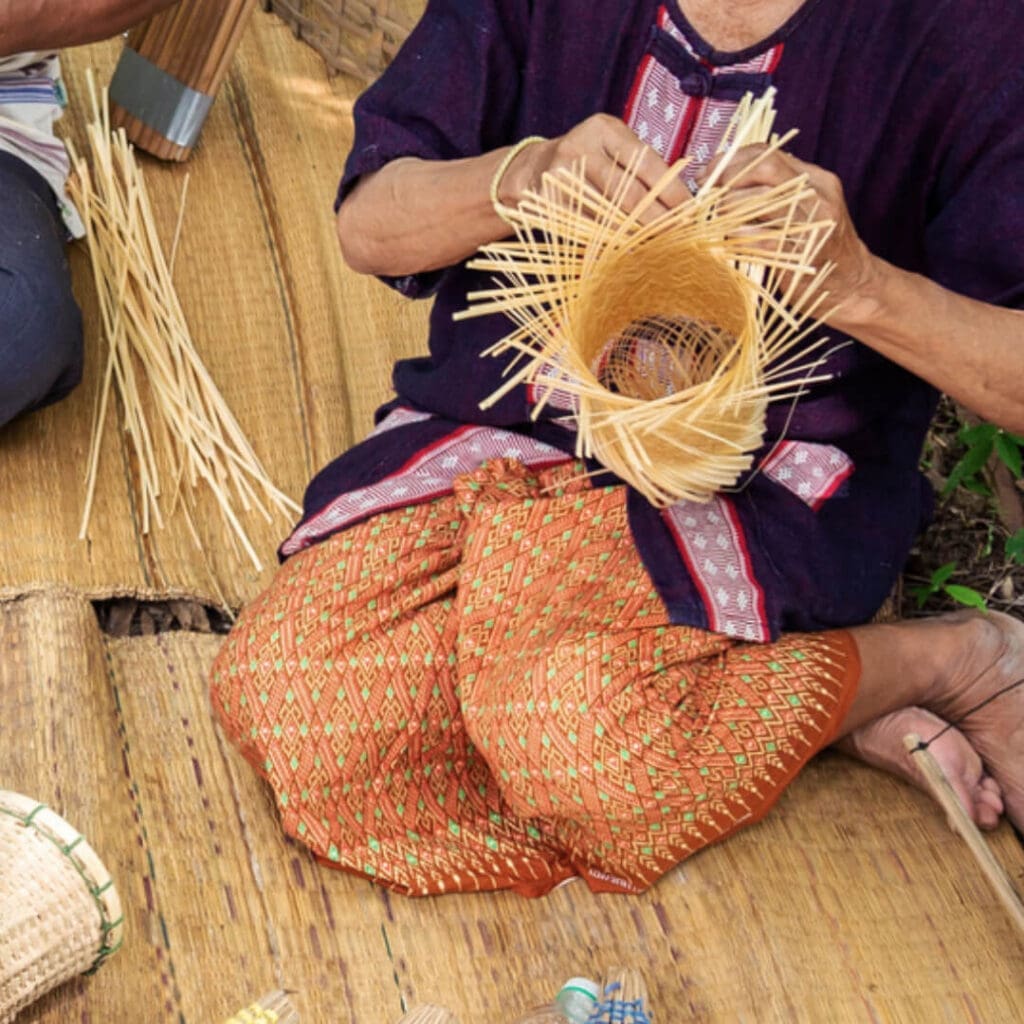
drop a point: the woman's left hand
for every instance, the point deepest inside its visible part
(854, 276)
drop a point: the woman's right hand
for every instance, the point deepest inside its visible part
(605, 146)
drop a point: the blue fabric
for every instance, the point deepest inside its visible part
(40, 322)
(914, 105)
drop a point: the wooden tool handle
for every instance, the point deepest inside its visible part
(170, 70)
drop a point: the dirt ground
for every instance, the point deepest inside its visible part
(969, 530)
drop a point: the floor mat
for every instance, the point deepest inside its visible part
(851, 902)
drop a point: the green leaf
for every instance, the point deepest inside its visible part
(971, 464)
(922, 593)
(966, 595)
(1015, 547)
(1009, 451)
(942, 574)
(977, 486)
(980, 433)
(990, 536)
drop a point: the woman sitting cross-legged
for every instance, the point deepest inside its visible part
(477, 668)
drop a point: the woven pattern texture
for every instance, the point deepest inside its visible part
(355, 37)
(59, 912)
(851, 901)
(466, 695)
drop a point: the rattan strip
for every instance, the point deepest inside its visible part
(673, 334)
(179, 425)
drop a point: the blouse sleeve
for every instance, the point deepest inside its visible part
(975, 235)
(451, 92)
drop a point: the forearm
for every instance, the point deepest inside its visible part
(52, 24)
(970, 350)
(417, 215)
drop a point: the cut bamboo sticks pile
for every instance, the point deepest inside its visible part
(173, 414)
(673, 332)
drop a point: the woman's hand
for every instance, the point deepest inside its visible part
(605, 146)
(971, 350)
(854, 280)
(414, 215)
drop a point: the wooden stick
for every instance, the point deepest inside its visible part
(189, 48)
(960, 822)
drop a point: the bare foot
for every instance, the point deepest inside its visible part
(880, 744)
(992, 660)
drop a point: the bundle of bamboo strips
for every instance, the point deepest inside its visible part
(671, 335)
(173, 412)
(625, 999)
(171, 69)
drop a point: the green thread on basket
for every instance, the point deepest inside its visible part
(95, 891)
(74, 842)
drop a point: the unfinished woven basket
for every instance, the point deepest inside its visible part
(355, 37)
(60, 915)
(667, 339)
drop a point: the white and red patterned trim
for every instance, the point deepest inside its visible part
(658, 110)
(711, 540)
(712, 543)
(546, 389)
(813, 472)
(400, 416)
(676, 124)
(430, 474)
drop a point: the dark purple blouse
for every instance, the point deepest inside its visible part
(916, 105)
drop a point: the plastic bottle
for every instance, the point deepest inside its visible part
(574, 1004)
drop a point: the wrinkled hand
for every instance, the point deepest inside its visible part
(606, 146)
(852, 282)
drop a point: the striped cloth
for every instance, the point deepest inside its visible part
(32, 98)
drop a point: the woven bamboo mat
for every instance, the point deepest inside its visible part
(851, 902)
(300, 347)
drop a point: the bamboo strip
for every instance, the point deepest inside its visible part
(273, 1008)
(625, 999)
(173, 413)
(194, 42)
(961, 823)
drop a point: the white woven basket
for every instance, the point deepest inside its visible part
(60, 915)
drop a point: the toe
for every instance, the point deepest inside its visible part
(988, 804)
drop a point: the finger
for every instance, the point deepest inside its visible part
(612, 178)
(756, 164)
(622, 145)
(653, 172)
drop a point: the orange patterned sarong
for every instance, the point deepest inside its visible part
(485, 692)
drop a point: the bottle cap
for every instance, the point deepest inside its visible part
(581, 986)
